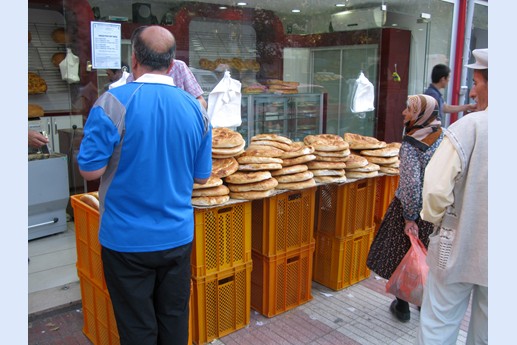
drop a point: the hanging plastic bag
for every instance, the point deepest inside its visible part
(408, 280)
(224, 103)
(70, 67)
(363, 96)
(121, 81)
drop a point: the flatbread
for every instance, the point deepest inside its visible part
(358, 175)
(263, 151)
(225, 138)
(213, 181)
(224, 167)
(389, 171)
(252, 195)
(223, 156)
(272, 137)
(259, 166)
(241, 177)
(328, 172)
(228, 150)
(326, 142)
(298, 177)
(293, 169)
(270, 183)
(298, 151)
(257, 159)
(382, 160)
(212, 191)
(330, 179)
(298, 160)
(331, 159)
(326, 165)
(362, 142)
(366, 168)
(392, 165)
(297, 185)
(356, 161)
(342, 153)
(210, 200)
(388, 151)
(271, 143)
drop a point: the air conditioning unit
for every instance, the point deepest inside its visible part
(358, 19)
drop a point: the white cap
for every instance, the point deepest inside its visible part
(481, 56)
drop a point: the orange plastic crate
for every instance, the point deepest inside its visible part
(222, 238)
(100, 325)
(221, 303)
(339, 263)
(281, 282)
(86, 220)
(346, 210)
(386, 187)
(283, 222)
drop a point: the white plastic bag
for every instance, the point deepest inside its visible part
(224, 103)
(363, 96)
(121, 81)
(70, 67)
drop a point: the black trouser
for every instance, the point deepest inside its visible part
(150, 294)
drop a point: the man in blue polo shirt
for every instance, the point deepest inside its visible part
(148, 141)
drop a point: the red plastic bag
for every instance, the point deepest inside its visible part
(408, 280)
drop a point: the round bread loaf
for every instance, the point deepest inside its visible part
(213, 181)
(297, 185)
(35, 111)
(257, 159)
(358, 175)
(331, 159)
(356, 161)
(241, 177)
(342, 153)
(271, 143)
(326, 142)
(366, 168)
(328, 172)
(326, 165)
(59, 36)
(224, 167)
(293, 169)
(252, 195)
(90, 200)
(259, 166)
(37, 84)
(362, 142)
(228, 150)
(57, 58)
(224, 156)
(272, 137)
(298, 177)
(391, 165)
(262, 151)
(210, 200)
(226, 138)
(389, 171)
(270, 183)
(382, 160)
(298, 151)
(211, 191)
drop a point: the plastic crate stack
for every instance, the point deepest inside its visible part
(282, 251)
(344, 231)
(221, 271)
(386, 187)
(99, 321)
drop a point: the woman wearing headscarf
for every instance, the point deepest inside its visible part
(422, 136)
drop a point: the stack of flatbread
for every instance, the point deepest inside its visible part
(246, 185)
(387, 158)
(331, 153)
(295, 174)
(211, 193)
(226, 143)
(358, 143)
(222, 167)
(271, 140)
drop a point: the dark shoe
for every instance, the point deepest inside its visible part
(401, 316)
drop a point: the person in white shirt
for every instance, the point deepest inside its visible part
(455, 199)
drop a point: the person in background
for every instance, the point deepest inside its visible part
(423, 134)
(36, 139)
(440, 76)
(455, 198)
(149, 142)
(185, 80)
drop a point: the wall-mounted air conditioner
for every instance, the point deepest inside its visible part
(358, 19)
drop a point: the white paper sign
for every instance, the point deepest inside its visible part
(106, 39)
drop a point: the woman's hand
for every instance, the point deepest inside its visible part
(411, 227)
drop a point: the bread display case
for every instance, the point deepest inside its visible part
(294, 115)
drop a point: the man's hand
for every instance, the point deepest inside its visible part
(36, 139)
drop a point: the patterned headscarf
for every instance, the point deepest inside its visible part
(423, 129)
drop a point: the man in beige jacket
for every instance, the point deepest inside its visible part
(455, 199)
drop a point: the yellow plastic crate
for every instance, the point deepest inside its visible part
(346, 210)
(281, 282)
(340, 263)
(283, 222)
(86, 221)
(222, 238)
(221, 303)
(386, 187)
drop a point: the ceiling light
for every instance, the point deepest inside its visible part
(295, 11)
(340, 5)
